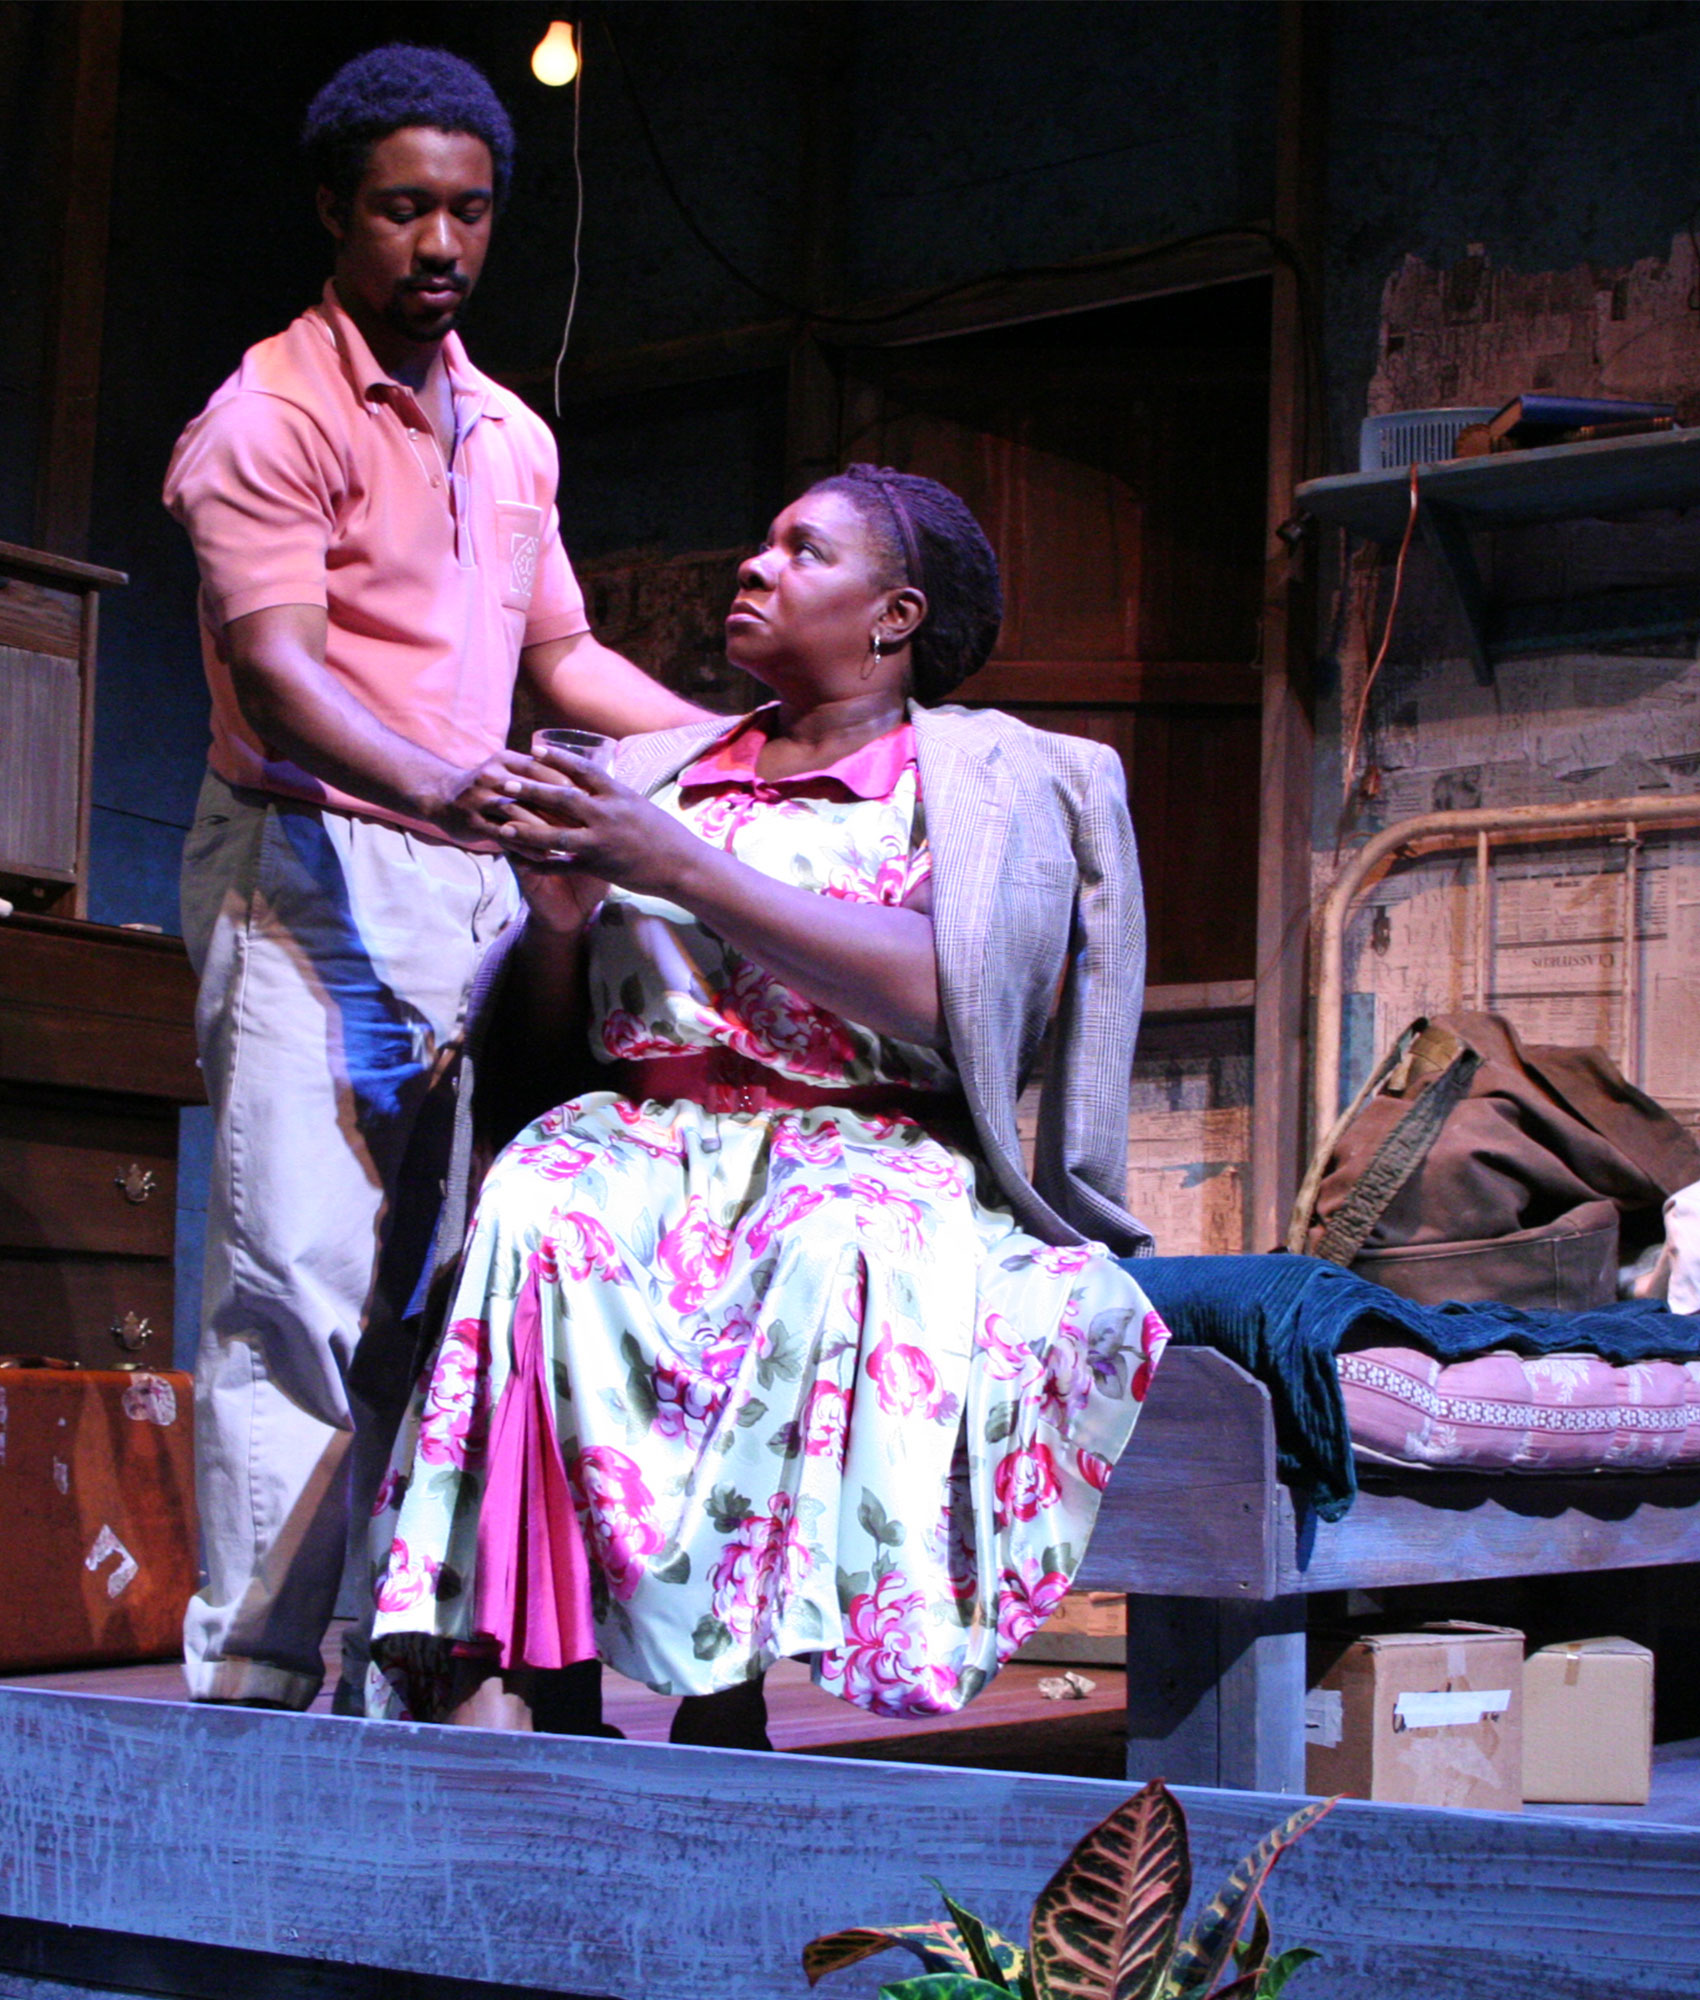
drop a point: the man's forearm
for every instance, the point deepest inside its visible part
(334, 738)
(277, 671)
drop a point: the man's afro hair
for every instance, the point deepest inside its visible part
(395, 86)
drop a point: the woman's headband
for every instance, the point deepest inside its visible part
(905, 532)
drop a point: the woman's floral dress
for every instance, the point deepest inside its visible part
(814, 1390)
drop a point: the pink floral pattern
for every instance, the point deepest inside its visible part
(1025, 1483)
(695, 1252)
(1093, 1469)
(617, 1510)
(767, 1560)
(812, 1396)
(1067, 1385)
(784, 1212)
(408, 1577)
(901, 1212)
(826, 1423)
(1153, 1338)
(1007, 1357)
(457, 1410)
(626, 1038)
(1026, 1598)
(884, 1663)
(904, 1379)
(793, 1146)
(578, 1247)
(687, 1402)
(658, 1139)
(767, 1020)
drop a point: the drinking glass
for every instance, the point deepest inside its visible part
(597, 750)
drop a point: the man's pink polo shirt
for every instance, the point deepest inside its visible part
(312, 478)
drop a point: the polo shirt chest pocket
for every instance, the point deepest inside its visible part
(519, 548)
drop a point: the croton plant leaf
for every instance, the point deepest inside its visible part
(942, 1986)
(996, 1960)
(1280, 1970)
(1252, 1954)
(936, 1945)
(1105, 1924)
(1209, 1951)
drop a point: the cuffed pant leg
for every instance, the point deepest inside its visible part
(335, 956)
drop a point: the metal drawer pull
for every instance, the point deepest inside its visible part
(136, 1184)
(132, 1332)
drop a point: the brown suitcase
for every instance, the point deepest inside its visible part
(100, 1550)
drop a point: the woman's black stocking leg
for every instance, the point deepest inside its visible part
(567, 1701)
(733, 1719)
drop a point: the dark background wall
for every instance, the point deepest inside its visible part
(1550, 134)
(976, 138)
(960, 139)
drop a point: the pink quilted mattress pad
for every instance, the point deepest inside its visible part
(1511, 1413)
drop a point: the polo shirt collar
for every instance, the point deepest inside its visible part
(869, 773)
(372, 385)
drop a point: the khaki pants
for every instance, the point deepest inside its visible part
(334, 955)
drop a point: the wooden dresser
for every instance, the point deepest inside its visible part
(97, 1053)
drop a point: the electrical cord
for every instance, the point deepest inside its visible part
(578, 232)
(1355, 741)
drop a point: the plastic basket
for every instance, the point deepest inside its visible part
(1413, 437)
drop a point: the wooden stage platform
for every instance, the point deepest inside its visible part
(1011, 1727)
(149, 1847)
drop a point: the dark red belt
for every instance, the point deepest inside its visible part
(723, 1080)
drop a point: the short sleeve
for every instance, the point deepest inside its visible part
(256, 484)
(557, 602)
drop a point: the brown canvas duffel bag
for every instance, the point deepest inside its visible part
(1472, 1168)
(97, 1493)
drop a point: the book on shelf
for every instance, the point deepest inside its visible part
(1546, 419)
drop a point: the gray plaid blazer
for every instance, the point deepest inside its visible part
(1035, 886)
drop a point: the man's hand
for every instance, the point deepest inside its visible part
(474, 805)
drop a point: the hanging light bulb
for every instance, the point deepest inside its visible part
(554, 61)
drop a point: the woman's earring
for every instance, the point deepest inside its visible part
(876, 653)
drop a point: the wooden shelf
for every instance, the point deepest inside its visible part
(1566, 482)
(1559, 482)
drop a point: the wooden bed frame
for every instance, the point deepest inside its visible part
(1217, 1558)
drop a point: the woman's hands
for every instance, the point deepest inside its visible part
(864, 961)
(592, 830)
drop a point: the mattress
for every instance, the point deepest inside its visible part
(1505, 1412)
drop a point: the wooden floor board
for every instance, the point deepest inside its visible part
(1011, 1726)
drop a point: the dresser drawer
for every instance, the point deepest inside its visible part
(87, 1182)
(101, 1311)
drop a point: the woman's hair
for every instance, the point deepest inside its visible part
(927, 537)
(393, 87)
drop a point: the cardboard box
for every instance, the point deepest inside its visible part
(1089, 1627)
(1432, 1717)
(1588, 1723)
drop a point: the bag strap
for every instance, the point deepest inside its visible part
(1304, 1202)
(1405, 1148)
